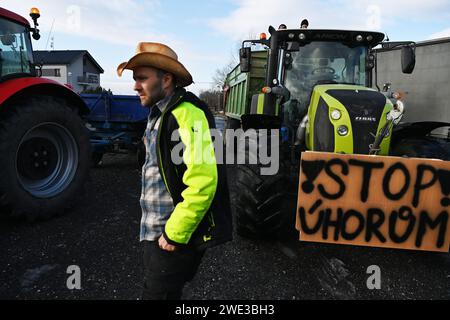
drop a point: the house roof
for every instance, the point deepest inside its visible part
(63, 57)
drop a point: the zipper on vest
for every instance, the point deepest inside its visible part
(158, 138)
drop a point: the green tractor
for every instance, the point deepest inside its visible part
(318, 95)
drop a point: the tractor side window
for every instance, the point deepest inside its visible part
(15, 49)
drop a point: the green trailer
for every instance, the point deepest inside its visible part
(240, 87)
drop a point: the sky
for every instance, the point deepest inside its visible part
(206, 35)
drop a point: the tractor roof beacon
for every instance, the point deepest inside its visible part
(44, 144)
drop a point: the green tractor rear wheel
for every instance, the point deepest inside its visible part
(265, 205)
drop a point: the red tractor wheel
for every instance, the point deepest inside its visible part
(44, 157)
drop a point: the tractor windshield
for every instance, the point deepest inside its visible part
(15, 49)
(324, 62)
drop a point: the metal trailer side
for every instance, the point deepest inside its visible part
(116, 122)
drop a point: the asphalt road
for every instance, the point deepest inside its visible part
(100, 235)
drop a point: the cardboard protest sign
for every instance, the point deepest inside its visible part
(375, 201)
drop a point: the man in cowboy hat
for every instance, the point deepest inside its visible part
(185, 204)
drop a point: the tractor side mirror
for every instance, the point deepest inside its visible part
(245, 59)
(282, 92)
(408, 59)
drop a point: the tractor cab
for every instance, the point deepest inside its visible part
(16, 52)
(300, 59)
(324, 77)
(323, 62)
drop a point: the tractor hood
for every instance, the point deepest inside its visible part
(346, 118)
(363, 104)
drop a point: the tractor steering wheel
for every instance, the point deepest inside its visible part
(324, 70)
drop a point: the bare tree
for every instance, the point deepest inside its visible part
(220, 75)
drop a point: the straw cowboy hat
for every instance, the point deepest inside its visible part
(160, 56)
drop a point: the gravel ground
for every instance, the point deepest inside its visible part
(100, 235)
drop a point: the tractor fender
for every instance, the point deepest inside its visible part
(20, 87)
(260, 121)
(415, 130)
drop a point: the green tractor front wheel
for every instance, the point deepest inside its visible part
(264, 205)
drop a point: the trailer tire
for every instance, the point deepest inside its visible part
(45, 157)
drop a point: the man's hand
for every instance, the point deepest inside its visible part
(164, 245)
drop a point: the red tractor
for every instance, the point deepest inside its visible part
(44, 144)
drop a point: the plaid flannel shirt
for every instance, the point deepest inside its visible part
(156, 202)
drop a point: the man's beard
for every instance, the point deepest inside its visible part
(157, 94)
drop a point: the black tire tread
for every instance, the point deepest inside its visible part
(263, 206)
(15, 202)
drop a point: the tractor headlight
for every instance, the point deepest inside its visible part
(342, 130)
(336, 115)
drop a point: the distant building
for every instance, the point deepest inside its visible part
(76, 68)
